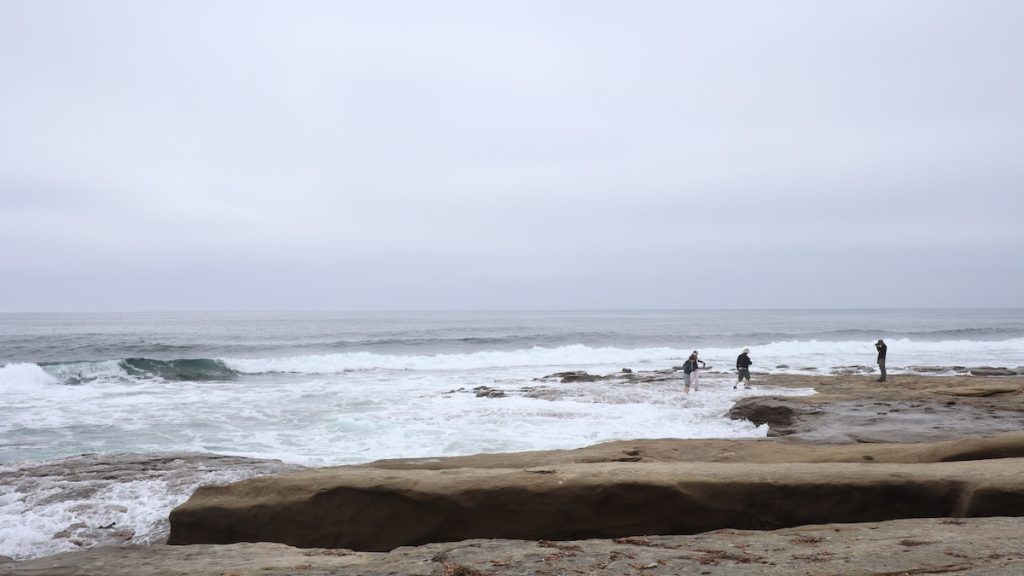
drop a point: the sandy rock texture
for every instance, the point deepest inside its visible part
(378, 509)
(968, 547)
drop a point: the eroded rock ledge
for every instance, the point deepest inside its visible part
(381, 508)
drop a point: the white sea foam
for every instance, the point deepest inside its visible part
(62, 505)
(577, 354)
(798, 354)
(902, 354)
(23, 377)
(323, 421)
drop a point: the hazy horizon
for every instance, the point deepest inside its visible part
(508, 310)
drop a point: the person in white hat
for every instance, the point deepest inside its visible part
(690, 372)
(743, 363)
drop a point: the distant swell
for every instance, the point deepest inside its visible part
(969, 334)
(414, 343)
(466, 342)
(976, 334)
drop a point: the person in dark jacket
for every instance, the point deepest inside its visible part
(690, 372)
(881, 347)
(743, 363)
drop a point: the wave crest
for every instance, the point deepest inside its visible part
(23, 377)
(190, 369)
(186, 369)
(573, 355)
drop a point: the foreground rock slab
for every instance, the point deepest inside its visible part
(378, 510)
(967, 547)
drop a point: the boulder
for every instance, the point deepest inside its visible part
(848, 370)
(779, 413)
(989, 371)
(979, 391)
(574, 376)
(928, 369)
(488, 392)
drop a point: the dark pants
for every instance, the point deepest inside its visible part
(881, 366)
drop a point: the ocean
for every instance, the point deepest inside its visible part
(107, 421)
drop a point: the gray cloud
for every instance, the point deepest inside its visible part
(407, 155)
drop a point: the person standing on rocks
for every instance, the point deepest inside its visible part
(690, 372)
(881, 347)
(743, 363)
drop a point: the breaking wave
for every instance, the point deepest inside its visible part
(188, 369)
(28, 375)
(576, 354)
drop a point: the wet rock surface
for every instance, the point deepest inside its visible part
(988, 371)
(85, 495)
(626, 375)
(88, 468)
(548, 387)
(906, 408)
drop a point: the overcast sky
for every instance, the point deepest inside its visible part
(385, 155)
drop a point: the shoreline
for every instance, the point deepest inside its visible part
(849, 417)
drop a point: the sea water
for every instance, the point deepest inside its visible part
(139, 396)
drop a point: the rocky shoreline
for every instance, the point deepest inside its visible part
(925, 473)
(912, 408)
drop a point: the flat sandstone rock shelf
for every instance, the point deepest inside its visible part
(962, 547)
(379, 510)
(904, 409)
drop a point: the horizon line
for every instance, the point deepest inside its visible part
(499, 310)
